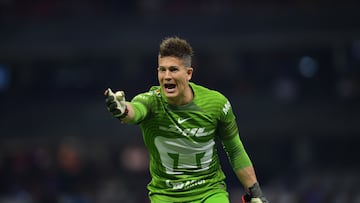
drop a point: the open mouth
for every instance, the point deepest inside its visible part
(169, 87)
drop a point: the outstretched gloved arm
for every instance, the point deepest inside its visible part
(116, 104)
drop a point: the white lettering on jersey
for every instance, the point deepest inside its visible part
(226, 107)
(182, 185)
(141, 97)
(196, 132)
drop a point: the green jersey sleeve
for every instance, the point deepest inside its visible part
(229, 135)
(141, 104)
(236, 153)
(227, 126)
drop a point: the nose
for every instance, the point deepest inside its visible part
(167, 75)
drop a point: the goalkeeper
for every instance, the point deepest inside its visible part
(181, 123)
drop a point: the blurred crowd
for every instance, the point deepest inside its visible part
(93, 170)
(293, 79)
(73, 171)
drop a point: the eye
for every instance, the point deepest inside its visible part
(173, 69)
(161, 69)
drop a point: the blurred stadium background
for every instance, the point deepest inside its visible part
(290, 68)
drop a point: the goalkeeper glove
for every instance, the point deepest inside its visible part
(255, 195)
(116, 104)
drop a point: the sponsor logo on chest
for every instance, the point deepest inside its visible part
(188, 132)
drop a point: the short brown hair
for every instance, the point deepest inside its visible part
(176, 47)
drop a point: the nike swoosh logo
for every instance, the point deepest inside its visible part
(180, 121)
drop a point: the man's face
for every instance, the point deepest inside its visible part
(174, 78)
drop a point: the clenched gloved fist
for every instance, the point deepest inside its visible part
(255, 195)
(115, 103)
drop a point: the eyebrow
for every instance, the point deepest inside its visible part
(168, 67)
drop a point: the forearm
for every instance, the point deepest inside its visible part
(240, 161)
(130, 115)
(136, 113)
(248, 179)
(246, 176)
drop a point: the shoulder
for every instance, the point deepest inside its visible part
(207, 93)
(212, 99)
(153, 93)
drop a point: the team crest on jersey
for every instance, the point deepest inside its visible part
(157, 92)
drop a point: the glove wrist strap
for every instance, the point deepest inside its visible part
(255, 190)
(124, 114)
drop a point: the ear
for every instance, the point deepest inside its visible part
(189, 72)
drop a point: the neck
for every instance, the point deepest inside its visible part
(182, 99)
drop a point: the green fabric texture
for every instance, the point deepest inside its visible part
(181, 141)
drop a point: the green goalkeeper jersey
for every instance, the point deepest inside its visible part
(181, 141)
